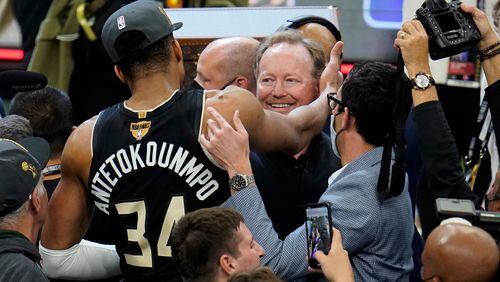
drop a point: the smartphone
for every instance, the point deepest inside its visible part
(318, 230)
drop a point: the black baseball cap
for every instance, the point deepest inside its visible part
(21, 165)
(145, 16)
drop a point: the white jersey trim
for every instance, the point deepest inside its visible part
(92, 135)
(209, 156)
(150, 110)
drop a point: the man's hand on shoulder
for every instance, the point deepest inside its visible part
(228, 146)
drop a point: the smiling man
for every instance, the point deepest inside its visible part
(288, 69)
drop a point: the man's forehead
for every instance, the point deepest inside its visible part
(244, 233)
(293, 53)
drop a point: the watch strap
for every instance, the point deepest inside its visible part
(432, 82)
(237, 185)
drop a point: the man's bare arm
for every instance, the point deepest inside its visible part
(270, 131)
(69, 209)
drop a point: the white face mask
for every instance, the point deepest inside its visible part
(333, 136)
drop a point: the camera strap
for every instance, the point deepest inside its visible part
(395, 140)
(478, 144)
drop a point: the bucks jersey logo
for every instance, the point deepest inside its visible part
(140, 129)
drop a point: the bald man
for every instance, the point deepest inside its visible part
(227, 61)
(319, 33)
(458, 252)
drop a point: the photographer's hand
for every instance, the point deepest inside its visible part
(491, 66)
(413, 42)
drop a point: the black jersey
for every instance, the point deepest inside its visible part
(147, 171)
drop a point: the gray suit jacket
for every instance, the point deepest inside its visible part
(377, 234)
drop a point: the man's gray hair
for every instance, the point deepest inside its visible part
(13, 218)
(293, 37)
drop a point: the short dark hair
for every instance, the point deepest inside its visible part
(260, 274)
(50, 114)
(200, 238)
(15, 127)
(370, 91)
(137, 63)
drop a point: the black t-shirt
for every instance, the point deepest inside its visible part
(147, 171)
(287, 184)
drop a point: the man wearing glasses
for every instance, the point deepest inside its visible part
(376, 233)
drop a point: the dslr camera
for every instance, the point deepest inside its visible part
(450, 30)
(464, 208)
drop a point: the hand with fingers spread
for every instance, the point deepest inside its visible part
(336, 265)
(413, 42)
(332, 78)
(228, 145)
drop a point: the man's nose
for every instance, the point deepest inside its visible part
(278, 90)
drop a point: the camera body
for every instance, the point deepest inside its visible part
(450, 30)
(464, 208)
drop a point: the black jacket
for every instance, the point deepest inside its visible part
(19, 258)
(492, 94)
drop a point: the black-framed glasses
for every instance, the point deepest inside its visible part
(333, 102)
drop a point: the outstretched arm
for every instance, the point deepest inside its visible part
(270, 131)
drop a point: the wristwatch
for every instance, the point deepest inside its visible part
(241, 181)
(422, 81)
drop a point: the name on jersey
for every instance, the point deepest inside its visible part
(164, 155)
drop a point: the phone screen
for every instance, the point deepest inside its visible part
(318, 231)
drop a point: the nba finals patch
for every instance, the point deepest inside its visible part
(140, 129)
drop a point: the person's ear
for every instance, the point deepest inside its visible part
(120, 74)
(227, 264)
(36, 200)
(241, 82)
(346, 118)
(177, 51)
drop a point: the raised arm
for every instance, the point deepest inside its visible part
(437, 147)
(270, 131)
(489, 38)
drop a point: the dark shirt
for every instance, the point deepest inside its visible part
(442, 174)
(19, 258)
(288, 184)
(50, 185)
(492, 94)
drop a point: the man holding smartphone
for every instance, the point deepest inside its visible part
(376, 233)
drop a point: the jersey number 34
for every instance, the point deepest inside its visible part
(174, 212)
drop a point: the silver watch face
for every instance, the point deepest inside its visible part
(422, 81)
